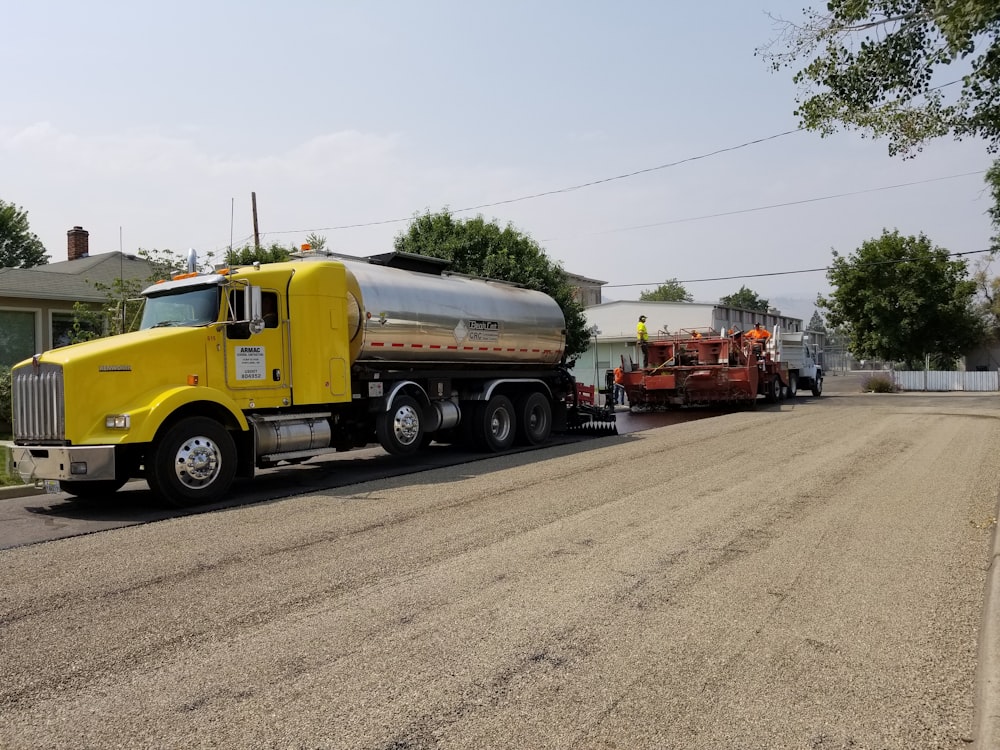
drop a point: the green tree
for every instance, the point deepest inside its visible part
(901, 299)
(887, 68)
(746, 299)
(19, 247)
(316, 242)
(480, 248)
(884, 66)
(988, 302)
(669, 291)
(816, 322)
(248, 254)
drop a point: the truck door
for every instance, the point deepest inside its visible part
(257, 363)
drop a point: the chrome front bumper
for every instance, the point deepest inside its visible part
(76, 463)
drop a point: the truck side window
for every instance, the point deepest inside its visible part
(269, 309)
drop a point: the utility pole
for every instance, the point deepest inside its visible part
(256, 230)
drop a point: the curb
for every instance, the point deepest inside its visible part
(20, 490)
(986, 718)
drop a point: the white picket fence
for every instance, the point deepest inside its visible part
(936, 380)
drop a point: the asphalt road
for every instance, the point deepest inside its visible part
(805, 576)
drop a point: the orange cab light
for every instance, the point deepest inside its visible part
(192, 380)
(184, 276)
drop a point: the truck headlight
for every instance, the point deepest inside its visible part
(117, 422)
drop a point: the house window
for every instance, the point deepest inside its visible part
(17, 336)
(62, 329)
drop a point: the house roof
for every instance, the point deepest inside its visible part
(73, 279)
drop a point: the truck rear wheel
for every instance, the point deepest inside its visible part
(496, 424)
(534, 419)
(193, 462)
(793, 385)
(400, 430)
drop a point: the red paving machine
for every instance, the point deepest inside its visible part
(703, 367)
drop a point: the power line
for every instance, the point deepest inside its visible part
(783, 273)
(773, 205)
(557, 191)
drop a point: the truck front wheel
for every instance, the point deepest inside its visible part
(193, 462)
(399, 430)
(817, 389)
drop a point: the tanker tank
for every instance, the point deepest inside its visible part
(411, 317)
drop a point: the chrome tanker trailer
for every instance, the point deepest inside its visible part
(248, 367)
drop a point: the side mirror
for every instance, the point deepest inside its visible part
(252, 309)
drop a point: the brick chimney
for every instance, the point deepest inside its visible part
(78, 243)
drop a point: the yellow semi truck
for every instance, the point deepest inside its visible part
(248, 367)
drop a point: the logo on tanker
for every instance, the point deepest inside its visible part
(477, 330)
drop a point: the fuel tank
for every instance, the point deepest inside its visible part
(406, 316)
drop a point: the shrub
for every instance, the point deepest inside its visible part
(6, 478)
(5, 404)
(879, 384)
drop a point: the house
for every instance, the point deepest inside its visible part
(585, 291)
(36, 304)
(612, 328)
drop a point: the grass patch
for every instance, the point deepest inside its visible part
(6, 478)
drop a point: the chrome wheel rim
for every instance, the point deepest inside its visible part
(198, 462)
(406, 425)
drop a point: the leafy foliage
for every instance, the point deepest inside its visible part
(746, 299)
(248, 254)
(816, 322)
(669, 291)
(480, 248)
(316, 242)
(878, 65)
(900, 298)
(19, 247)
(878, 384)
(5, 398)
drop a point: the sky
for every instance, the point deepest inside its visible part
(635, 141)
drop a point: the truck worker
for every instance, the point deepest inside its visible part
(757, 333)
(642, 336)
(619, 386)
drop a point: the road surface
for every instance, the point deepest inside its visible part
(806, 576)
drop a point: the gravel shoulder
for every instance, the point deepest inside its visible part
(810, 576)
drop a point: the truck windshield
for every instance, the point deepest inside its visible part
(191, 307)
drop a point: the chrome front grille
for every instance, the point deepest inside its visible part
(39, 406)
